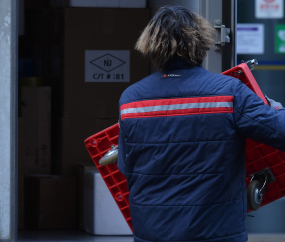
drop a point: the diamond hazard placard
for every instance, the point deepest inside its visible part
(107, 66)
(269, 8)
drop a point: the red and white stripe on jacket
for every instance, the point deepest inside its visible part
(177, 107)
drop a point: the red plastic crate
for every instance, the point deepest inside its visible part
(258, 156)
(246, 77)
(98, 145)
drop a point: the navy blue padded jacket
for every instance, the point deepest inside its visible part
(182, 148)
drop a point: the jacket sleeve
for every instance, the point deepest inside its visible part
(256, 120)
(121, 154)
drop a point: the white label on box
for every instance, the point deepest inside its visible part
(107, 66)
(250, 38)
(269, 8)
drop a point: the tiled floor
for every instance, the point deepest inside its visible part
(51, 236)
(266, 238)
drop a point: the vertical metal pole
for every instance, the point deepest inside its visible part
(230, 20)
(8, 119)
(220, 58)
(212, 10)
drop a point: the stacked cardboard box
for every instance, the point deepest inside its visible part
(34, 142)
(21, 173)
(36, 110)
(71, 148)
(90, 75)
(93, 62)
(35, 44)
(50, 202)
(87, 56)
(37, 3)
(80, 170)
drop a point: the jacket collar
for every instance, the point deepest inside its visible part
(178, 63)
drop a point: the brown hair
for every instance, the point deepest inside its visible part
(175, 30)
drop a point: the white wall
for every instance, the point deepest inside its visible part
(5, 72)
(8, 118)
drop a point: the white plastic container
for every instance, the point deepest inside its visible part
(101, 213)
(132, 3)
